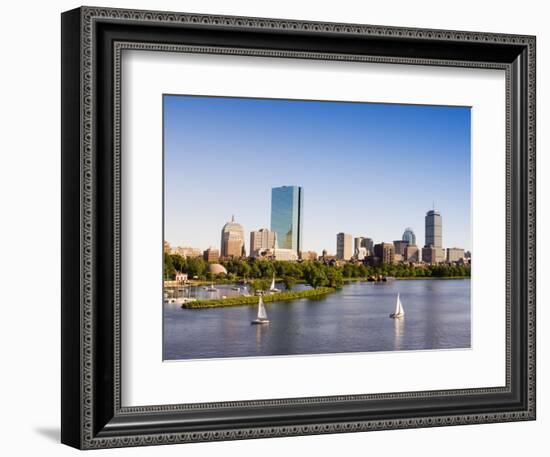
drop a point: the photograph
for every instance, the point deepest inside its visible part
(301, 227)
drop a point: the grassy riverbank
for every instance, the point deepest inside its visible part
(253, 300)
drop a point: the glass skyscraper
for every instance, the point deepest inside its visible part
(287, 204)
(408, 235)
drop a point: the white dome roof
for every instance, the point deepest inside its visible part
(216, 269)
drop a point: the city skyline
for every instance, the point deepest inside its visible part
(346, 244)
(367, 176)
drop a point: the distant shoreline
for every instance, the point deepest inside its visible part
(391, 278)
(197, 283)
(433, 277)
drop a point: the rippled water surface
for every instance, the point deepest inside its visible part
(354, 319)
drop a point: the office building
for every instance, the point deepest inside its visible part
(455, 255)
(412, 253)
(288, 255)
(363, 242)
(433, 255)
(368, 244)
(187, 251)
(308, 255)
(344, 249)
(211, 255)
(232, 239)
(262, 239)
(286, 216)
(385, 252)
(399, 246)
(433, 229)
(361, 253)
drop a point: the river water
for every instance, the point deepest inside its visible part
(353, 319)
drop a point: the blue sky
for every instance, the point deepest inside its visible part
(366, 169)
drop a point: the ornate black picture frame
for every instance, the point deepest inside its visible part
(92, 414)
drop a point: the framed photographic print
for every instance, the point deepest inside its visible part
(274, 227)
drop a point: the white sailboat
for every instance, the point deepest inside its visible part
(262, 315)
(211, 288)
(272, 288)
(399, 311)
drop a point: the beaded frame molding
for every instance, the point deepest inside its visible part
(92, 43)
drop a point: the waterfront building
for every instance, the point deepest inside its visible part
(412, 253)
(232, 239)
(167, 247)
(344, 246)
(455, 255)
(181, 277)
(433, 229)
(308, 255)
(187, 251)
(397, 258)
(286, 216)
(384, 252)
(211, 255)
(433, 255)
(357, 243)
(409, 236)
(399, 246)
(262, 239)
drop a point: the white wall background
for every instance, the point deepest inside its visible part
(30, 229)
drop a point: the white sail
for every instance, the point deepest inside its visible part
(273, 284)
(261, 309)
(399, 307)
(399, 311)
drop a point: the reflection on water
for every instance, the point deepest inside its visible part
(398, 333)
(354, 319)
(260, 335)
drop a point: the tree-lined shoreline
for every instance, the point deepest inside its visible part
(315, 273)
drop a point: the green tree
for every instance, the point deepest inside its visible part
(196, 266)
(255, 271)
(259, 285)
(334, 278)
(289, 282)
(231, 277)
(169, 270)
(315, 275)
